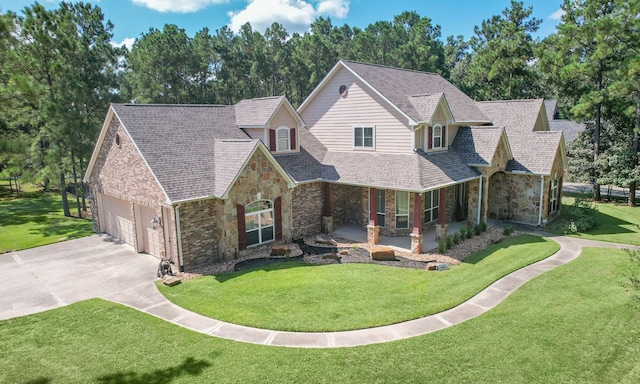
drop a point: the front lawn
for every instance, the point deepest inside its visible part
(573, 324)
(295, 296)
(617, 222)
(37, 220)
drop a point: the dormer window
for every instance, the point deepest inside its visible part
(437, 136)
(282, 139)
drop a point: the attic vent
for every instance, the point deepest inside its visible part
(118, 139)
(343, 90)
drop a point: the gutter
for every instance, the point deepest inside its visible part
(179, 233)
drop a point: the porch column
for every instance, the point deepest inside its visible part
(485, 199)
(373, 230)
(327, 216)
(441, 227)
(416, 234)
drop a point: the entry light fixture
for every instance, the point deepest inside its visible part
(155, 222)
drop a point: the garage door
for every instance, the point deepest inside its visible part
(150, 236)
(118, 219)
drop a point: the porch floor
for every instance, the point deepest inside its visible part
(358, 234)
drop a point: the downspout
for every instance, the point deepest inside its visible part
(540, 206)
(178, 229)
(479, 201)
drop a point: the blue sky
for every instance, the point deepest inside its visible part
(131, 18)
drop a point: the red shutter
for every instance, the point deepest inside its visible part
(549, 197)
(292, 134)
(444, 137)
(430, 142)
(277, 211)
(272, 140)
(242, 227)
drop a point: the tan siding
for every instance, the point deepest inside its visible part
(257, 133)
(539, 122)
(283, 118)
(331, 117)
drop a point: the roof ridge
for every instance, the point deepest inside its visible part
(509, 101)
(170, 105)
(389, 67)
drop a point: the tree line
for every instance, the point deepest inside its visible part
(59, 71)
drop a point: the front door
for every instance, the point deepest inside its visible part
(461, 201)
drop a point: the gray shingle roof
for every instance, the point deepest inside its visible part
(425, 105)
(397, 84)
(570, 129)
(477, 145)
(533, 152)
(551, 106)
(179, 144)
(257, 112)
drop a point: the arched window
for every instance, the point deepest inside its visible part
(282, 139)
(437, 136)
(259, 221)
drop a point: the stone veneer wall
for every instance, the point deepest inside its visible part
(308, 205)
(120, 172)
(472, 210)
(347, 204)
(514, 197)
(259, 176)
(200, 234)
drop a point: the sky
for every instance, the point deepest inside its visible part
(131, 18)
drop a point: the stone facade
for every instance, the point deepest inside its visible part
(308, 204)
(347, 204)
(260, 180)
(119, 171)
(514, 197)
(200, 233)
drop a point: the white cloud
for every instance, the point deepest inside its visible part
(557, 15)
(127, 42)
(294, 15)
(181, 6)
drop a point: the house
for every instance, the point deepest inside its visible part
(391, 150)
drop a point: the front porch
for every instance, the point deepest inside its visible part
(402, 243)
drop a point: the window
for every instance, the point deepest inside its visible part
(363, 137)
(437, 136)
(282, 139)
(259, 222)
(431, 202)
(382, 207)
(553, 198)
(402, 209)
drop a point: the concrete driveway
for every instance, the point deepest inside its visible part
(38, 279)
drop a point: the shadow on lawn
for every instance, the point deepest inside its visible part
(278, 265)
(18, 212)
(190, 366)
(504, 244)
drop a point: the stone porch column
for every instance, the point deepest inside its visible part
(441, 227)
(327, 216)
(373, 229)
(416, 234)
(485, 199)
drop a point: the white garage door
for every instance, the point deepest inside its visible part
(150, 236)
(118, 219)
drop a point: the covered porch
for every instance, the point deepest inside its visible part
(403, 243)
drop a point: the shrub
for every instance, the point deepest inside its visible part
(463, 233)
(579, 217)
(449, 242)
(469, 233)
(456, 238)
(477, 229)
(507, 231)
(442, 245)
(483, 226)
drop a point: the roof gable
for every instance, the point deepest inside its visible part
(395, 86)
(478, 145)
(426, 106)
(258, 112)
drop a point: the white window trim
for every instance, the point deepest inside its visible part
(402, 215)
(434, 204)
(373, 139)
(260, 226)
(280, 129)
(433, 138)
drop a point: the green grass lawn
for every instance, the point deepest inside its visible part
(617, 222)
(294, 296)
(573, 324)
(37, 220)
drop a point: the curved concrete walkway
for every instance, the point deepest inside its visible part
(147, 298)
